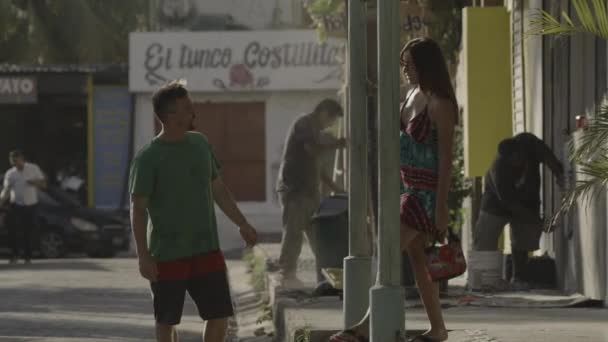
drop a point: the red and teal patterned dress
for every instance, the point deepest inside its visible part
(419, 172)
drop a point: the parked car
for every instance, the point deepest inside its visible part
(65, 226)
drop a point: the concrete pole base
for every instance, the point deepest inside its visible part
(357, 282)
(387, 320)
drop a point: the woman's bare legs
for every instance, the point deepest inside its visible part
(429, 290)
(408, 235)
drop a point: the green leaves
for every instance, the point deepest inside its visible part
(592, 181)
(323, 7)
(460, 187)
(68, 32)
(445, 25)
(591, 15)
(326, 15)
(594, 140)
(590, 152)
(590, 155)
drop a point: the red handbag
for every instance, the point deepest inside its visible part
(446, 261)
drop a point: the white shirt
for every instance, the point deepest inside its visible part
(16, 182)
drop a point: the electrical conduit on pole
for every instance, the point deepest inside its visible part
(357, 266)
(387, 319)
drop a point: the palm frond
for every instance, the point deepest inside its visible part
(601, 15)
(584, 15)
(593, 180)
(592, 21)
(594, 139)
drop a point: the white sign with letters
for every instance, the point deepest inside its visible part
(235, 60)
(18, 89)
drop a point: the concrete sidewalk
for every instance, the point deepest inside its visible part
(503, 317)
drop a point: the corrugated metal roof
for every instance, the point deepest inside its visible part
(63, 68)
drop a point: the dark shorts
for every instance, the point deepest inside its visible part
(205, 279)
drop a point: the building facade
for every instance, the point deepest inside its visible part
(249, 76)
(74, 121)
(554, 79)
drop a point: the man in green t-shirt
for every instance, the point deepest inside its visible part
(175, 180)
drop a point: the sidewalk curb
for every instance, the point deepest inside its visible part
(295, 313)
(282, 300)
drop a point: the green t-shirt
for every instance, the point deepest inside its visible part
(176, 179)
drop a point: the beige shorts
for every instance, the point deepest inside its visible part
(524, 236)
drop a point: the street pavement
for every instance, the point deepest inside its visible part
(85, 300)
(97, 300)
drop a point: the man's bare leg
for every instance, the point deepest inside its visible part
(216, 330)
(166, 333)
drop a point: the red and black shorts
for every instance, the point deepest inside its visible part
(203, 276)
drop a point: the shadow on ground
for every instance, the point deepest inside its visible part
(98, 331)
(56, 265)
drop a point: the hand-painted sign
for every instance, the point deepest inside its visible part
(236, 61)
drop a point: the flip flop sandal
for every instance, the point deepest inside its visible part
(348, 336)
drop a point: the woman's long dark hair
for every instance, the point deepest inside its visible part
(433, 75)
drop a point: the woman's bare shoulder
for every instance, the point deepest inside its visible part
(442, 109)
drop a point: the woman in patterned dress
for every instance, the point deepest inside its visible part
(428, 118)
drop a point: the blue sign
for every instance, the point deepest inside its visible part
(111, 144)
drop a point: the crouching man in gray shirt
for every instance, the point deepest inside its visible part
(299, 180)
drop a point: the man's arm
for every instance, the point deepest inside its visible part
(6, 188)
(39, 183)
(141, 188)
(224, 199)
(327, 180)
(139, 205)
(546, 155)
(316, 147)
(39, 180)
(147, 264)
(315, 142)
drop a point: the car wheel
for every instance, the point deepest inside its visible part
(52, 245)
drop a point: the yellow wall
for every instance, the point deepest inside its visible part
(487, 81)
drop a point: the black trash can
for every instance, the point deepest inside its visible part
(330, 225)
(540, 271)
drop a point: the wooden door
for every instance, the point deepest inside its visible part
(238, 136)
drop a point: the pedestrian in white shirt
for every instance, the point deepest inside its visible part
(20, 188)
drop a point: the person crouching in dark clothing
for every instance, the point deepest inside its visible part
(512, 195)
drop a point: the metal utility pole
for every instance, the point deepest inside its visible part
(387, 296)
(357, 266)
(152, 11)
